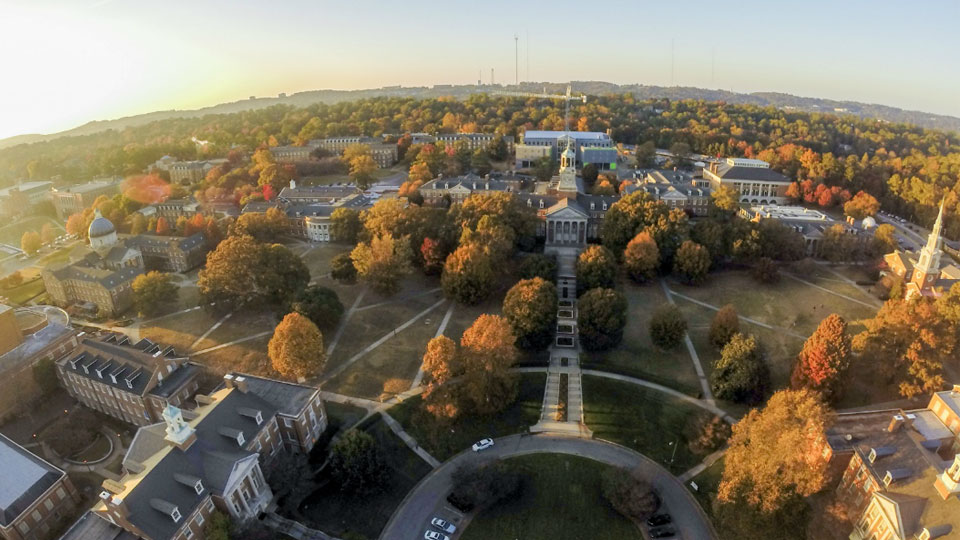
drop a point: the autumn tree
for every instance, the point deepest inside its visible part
(243, 272)
(154, 291)
(487, 352)
(47, 234)
(861, 205)
(708, 436)
(765, 270)
(434, 255)
(884, 240)
(823, 362)
(539, 265)
(138, 224)
(589, 174)
(440, 361)
(741, 375)
(789, 429)
(724, 202)
(468, 274)
(530, 307)
(268, 226)
(361, 164)
(342, 269)
(345, 225)
(480, 162)
(357, 464)
(163, 226)
(641, 258)
(419, 173)
(76, 225)
(319, 304)
(639, 212)
(667, 326)
(601, 317)
(780, 242)
(596, 268)
(908, 342)
(839, 245)
(30, 242)
(383, 262)
(725, 324)
(544, 169)
(629, 492)
(296, 348)
(692, 262)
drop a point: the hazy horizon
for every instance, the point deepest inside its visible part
(78, 61)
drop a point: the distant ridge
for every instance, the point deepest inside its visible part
(300, 99)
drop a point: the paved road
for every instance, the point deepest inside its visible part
(427, 499)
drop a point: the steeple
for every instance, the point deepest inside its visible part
(179, 433)
(927, 270)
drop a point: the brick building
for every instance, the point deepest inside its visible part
(753, 179)
(132, 382)
(35, 496)
(301, 414)
(73, 199)
(170, 253)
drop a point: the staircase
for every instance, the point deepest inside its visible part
(564, 360)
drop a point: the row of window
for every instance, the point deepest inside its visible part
(60, 494)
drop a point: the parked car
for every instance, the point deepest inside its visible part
(659, 519)
(124, 322)
(444, 525)
(434, 535)
(662, 532)
(482, 445)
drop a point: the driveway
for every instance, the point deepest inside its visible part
(428, 498)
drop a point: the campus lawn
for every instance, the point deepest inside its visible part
(337, 513)
(787, 304)
(444, 441)
(650, 422)
(554, 482)
(246, 357)
(25, 292)
(707, 483)
(181, 330)
(636, 355)
(390, 368)
(317, 257)
(11, 234)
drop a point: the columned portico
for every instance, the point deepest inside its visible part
(566, 224)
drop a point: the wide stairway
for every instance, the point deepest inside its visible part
(562, 409)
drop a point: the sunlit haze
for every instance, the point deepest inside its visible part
(70, 62)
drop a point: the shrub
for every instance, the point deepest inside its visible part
(667, 326)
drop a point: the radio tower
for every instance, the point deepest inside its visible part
(516, 59)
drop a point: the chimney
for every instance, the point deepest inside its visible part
(241, 383)
(228, 380)
(293, 184)
(895, 423)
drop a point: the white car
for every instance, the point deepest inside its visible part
(444, 525)
(482, 445)
(434, 535)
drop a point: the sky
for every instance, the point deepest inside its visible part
(67, 62)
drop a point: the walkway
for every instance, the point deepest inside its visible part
(741, 317)
(701, 375)
(443, 327)
(427, 499)
(826, 290)
(210, 330)
(234, 342)
(343, 323)
(702, 403)
(339, 369)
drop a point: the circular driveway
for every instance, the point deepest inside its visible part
(428, 498)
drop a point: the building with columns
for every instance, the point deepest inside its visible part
(177, 472)
(756, 182)
(925, 273)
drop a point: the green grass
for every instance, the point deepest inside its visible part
(650, 422)
(561, 500)
(24, 293)
(337, 513)
(636, 355)
(707, 483)
(12, 233)
(444, 441)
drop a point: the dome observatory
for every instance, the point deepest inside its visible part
(868, 222)
(102, 233)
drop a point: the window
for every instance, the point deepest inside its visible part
(175, 515)
(287, 422)
(48, 504)
(199, 519)
(24, 528)
(198, 487)
(61, 494)
(36, 516)
(188, 532)
(209, 506)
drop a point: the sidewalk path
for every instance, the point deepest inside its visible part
(427, 498)
(398, 299)
(443, 327)
(702, 403)
(707, 461)
(409, 440)
(826, 290)
(339, 369)
(343, 323)
(234, 342)
(742, 318)
(210, 330)
(704, 383)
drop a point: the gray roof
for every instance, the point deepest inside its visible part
(288, 398)
(312, 192)
(576, 135)
(211, 458)
(756, 174)
(90, 526)
(25, 478)
(166, 242)
(131, 365)
(32, 344)
(100, 226)
(89, 269)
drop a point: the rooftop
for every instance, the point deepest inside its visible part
(90, 186)
(24, 187)
(577, 135)
(288, 398)
(57, 328)
(25, 477)
(755, 174)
